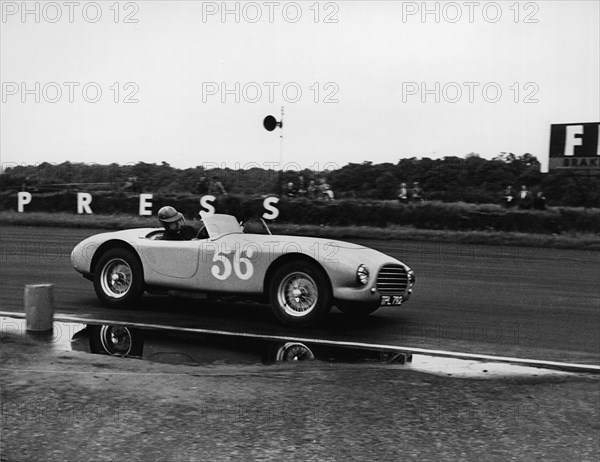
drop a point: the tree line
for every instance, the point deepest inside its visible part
(470, 179)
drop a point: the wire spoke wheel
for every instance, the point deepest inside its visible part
(298, 294)
(116, 278)
(294, 351)
(116, 340)
(119, 278)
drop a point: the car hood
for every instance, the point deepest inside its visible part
(325, 250)
(323, 241)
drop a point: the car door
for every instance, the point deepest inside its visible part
(169, 260)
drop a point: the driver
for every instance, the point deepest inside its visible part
(174, 224)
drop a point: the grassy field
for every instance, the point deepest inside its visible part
(587, 241)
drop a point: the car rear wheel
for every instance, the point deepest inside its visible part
(118, 278)
(115, 340)
(294, 351)
(300, 294)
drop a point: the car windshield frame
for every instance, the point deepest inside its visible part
(220, 224)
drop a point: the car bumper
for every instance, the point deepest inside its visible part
(378, 291)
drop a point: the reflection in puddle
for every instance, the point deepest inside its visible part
(205, 349)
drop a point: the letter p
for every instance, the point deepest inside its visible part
(9, 89)
(409, 9)
(209, 89)
(209, 9)
(23, 198)
(9, 9)
(409, 89)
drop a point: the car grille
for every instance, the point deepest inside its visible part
(392, 279)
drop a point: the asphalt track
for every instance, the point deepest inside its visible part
(534, 303)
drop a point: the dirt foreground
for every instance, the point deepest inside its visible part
(73, 406)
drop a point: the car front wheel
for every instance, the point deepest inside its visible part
(300, 294)
(118, 278)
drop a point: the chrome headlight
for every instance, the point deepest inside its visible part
(411, 277)
(362, 275)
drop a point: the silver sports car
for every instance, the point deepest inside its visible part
(301, 277)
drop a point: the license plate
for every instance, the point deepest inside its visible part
(388, 300)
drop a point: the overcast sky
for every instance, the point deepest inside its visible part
(360, 80)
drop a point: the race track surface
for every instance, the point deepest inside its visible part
(526, 302)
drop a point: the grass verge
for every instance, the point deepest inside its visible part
(72, 406)
(586, 241)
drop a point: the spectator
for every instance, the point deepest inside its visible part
(131, 184)
(524, 198)
(301, 187)
(217, 188)
(509, 197)
(416, 193)
(326, 190)
(403, 194)
(289, 190)
(311, 191)
(539, 201)
(202, 186)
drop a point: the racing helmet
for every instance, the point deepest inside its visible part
(168, 214)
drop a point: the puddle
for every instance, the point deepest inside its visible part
(462, 368)
(176, 348)
(64, 333)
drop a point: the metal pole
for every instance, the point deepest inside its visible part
(280, 188)
(281, 140)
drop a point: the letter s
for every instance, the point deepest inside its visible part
(206, 203)
(269, 207)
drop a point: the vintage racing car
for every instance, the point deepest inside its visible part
(301, 277)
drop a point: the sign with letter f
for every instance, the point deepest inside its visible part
(575, 146)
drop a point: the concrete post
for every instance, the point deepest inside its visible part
(39, 308)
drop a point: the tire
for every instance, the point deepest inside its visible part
(116, 341)
(294, 351)
(357, 310)
(118, 278)
(300, 294)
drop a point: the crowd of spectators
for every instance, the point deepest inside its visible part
(214, 186)
(414, 194)
(523, 199)
(319, 189)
